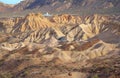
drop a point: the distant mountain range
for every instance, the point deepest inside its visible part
(70, 6)
(5, 7)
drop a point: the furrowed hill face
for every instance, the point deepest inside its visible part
(68, 46)
(61, 46)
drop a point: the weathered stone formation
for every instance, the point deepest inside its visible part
(40, 47)
(33, 22)
(7, 24)
(66, 19)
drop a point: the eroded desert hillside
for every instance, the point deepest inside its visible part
(60, 46)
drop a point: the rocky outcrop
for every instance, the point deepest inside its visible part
(66, 19)
(36, 28)
(32, 22)
(8, 23)
(11, 47)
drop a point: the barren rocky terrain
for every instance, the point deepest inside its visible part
(60, 46)
(80, 39)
